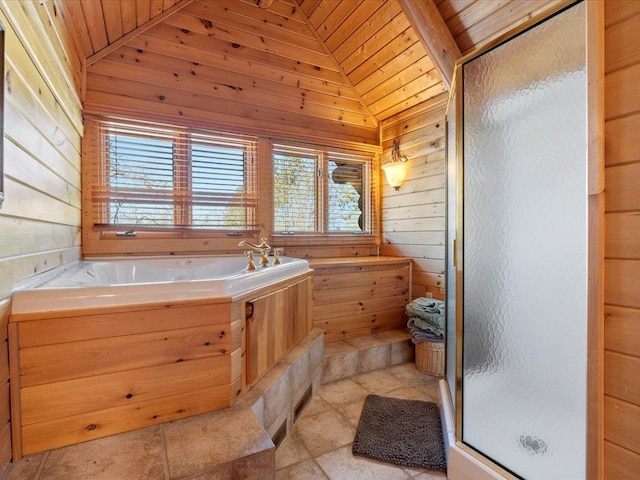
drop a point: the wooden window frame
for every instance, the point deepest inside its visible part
(105, 239)
(182, 181)
(99, 241)
(323, 236)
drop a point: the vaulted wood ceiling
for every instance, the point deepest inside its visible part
(338, 67)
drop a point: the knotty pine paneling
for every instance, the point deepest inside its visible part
(622, 326)
(473, 23)
(620, 463)
(354, 297)
(43, 51)
(108, 375)
(378, 51)
(413, 223)
(43, 127)
(5, 412)
(277, 322)
(40, 218)
(231, 66)
(97, 24)
(622, 249)
(53, 26)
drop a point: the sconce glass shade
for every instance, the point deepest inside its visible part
(395, 172)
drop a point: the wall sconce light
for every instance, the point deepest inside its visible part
(396, 169)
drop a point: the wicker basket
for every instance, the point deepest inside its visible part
(430, 358)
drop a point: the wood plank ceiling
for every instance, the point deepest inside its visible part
(333, 68)
(304, 64)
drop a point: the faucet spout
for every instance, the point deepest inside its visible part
(263, 248)
(258, 248)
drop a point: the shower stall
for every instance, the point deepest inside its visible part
(524, 253)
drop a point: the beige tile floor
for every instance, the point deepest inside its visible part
(319, 448)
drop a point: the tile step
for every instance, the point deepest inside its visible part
(350, 357)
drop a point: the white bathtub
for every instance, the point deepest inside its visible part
(112, 282)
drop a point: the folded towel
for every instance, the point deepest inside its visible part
(420, 324)
(425, 308)
(419, 336)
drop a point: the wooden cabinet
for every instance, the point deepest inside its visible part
(276, 322)
(354, 297)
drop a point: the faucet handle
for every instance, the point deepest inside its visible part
(276, 255)
(251, 264)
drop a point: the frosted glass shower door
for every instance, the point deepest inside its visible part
(525, 251)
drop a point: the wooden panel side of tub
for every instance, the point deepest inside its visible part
(102, 324)
(238, 350)
(81, 428)
(276, 322)
(360, 297)
(88, 358)
(110, 372)
(49, 401)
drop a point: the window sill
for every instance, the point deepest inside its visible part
(328, 239)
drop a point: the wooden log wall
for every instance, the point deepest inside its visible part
(40, 218)
(413, 222)
(622, 241)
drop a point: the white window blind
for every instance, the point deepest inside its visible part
(163, 177)
(318, 191)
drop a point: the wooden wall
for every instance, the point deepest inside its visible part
(5, 413)
(379, 52)
(230, 65)
(475, 22)
(622, 242)
(413, 217)
(356, 297)
(40, 219)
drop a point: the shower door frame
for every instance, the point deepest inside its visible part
(595, 238)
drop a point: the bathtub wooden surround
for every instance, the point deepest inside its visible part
(86, 376)
(360, 296)
(276, 322)
(78, 375)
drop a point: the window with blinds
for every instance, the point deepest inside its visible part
(317, 191)
(163, 177)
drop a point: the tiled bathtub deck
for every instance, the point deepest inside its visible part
(235, 443)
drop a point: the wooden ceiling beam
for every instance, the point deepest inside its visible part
(138, 31)
(426, 20)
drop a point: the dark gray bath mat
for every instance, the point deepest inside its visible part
(403, 432)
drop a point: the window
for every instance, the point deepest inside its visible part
(318, 191)
(161, 177)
